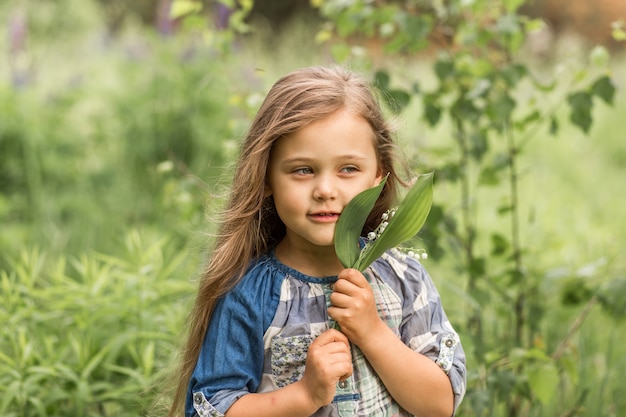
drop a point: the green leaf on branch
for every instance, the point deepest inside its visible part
(444, 69)
(381, 79)
(500, 111)
(432, 111)
(604, 89)
(395, 99)
(499, 244)
(581, 104)
(479, 144)
(489, 176)
(513, 74)
(575, 291)
(463, 109)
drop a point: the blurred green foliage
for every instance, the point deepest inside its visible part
(121, 137)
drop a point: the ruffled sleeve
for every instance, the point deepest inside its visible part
(230, 363)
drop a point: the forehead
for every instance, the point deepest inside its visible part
(340, 133)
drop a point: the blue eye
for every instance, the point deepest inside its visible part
(303, 171)
(349, 169)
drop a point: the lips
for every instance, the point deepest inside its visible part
(325, 216)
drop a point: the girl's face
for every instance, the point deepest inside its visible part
(314, 173)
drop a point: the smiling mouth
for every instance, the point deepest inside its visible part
(325, 216)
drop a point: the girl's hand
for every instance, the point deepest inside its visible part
(353, 306)
(328, 360)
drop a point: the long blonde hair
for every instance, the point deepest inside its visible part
(250, 225)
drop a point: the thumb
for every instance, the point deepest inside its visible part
(331, 336)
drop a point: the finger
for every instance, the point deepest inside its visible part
(340, 300)
(330, 336)
(348, 370)
(347, 374)
(352, 276)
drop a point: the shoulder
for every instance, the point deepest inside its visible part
(257, 292)
(407, 277)
(261, 275)
(396, 265)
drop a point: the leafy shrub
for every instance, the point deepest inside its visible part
(87, 335)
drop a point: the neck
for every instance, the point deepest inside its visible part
(318, 262)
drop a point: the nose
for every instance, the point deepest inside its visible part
(325, 188)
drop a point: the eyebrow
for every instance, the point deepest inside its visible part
(304, 159)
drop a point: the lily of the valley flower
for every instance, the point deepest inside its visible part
(397, 226)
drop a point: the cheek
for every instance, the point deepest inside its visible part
(285, 205)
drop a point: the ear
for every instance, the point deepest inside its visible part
(267, 190)
(379, 177)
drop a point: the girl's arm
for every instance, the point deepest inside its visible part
(328, 360)
(416, 383)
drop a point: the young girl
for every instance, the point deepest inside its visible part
(262, 338)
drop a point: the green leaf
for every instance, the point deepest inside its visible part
(182, 8)
(432, 111)
(543, 379)
(350, 224)
(381, 79)
(478, 267)
(513, 74)
(575, 291)
(554, 126)
(604, 88)
(581, 104)
(444, 69)
(479, 144)
(464, 109)
(407, 221)
(499, 244)
(397, 100)
(489, 176)
(500, 110)
(532, 117)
